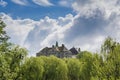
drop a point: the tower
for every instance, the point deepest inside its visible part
(56, 44)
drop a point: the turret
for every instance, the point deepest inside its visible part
(56, 44)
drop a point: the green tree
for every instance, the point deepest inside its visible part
(32, 69)
(98, 65)
(54, 69)
(74, 67)
(111, 51)
(87, 65)
(3, 35)
(11, 56)
(10, 63)
(112, 64)
(108, 46)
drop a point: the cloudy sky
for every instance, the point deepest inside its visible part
(35, 24)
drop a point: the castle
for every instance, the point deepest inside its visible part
(58, 51)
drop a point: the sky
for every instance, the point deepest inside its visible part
(35, 24)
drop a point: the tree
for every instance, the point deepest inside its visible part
(108, 45)
(74, 67)
(32, 69)
(98, 66)
(111, 51)
(87, 65)
(116, 62)
(11, 56)
(11, 62)
(54, 69)
(113, 63)
(3, 35)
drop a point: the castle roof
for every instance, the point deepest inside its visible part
(58, 50)
(74, 51)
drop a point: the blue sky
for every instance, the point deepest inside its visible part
(34, 11)
(35, 24)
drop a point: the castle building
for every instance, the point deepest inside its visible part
(58, 51)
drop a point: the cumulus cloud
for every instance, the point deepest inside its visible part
(17, 29)
(20, 2)
(35, 35)
(95, 20)
(3, 3)
(87, 7)
(42, 2)
(47, 31)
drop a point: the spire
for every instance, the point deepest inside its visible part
(56, 44)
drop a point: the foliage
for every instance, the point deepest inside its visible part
(3, 35)
(74, 67)
(87, 65)
(32, 69)
(55, 68)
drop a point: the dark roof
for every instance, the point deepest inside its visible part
(57, 49)
(62, 48)
(74, 51)
(47, 49)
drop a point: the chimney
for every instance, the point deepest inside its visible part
(63, 46)
(53, 46)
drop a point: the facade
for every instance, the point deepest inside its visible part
(58, 51)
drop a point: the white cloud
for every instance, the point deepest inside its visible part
(58, 34)
(42, 2)
(114, 27)
(65, 3)
(87, 7)
(20, 2)
(47, 31)
(17, 29)
(38, 2)
(95, 20)
(3, 3)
